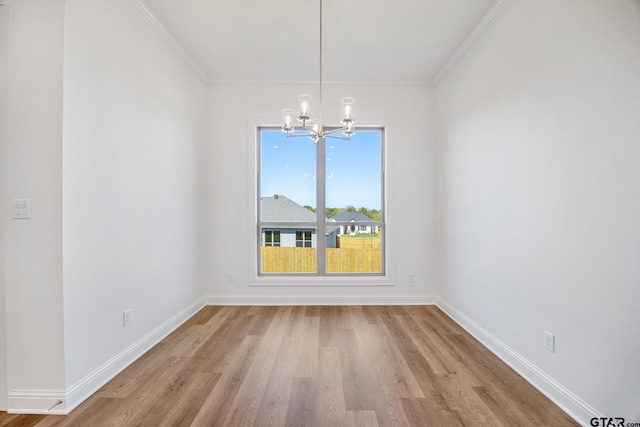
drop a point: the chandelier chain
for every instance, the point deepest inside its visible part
(315, 129)
(320, 73)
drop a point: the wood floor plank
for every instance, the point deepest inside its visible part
(312, 311)
(389, 361)
(103, 411)
(357, 372)
(247, 402)
(224, 346)
(219, 401)
(419, 412)
(362, 419)
(302, 403)
(430, 344)
(388, 405)
(442, 395)
(503, 412)
(139, 372)
(275, 398)
(145, 397)
(183, 412)
(21, 420)
(379, 366)
(170, 394)
(308, 342)
(329, 407)
(465, 402)
(332, 321)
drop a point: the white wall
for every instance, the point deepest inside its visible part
(32, 168)
(133, 132)
(104, 133)
(4, 23)
(538, 140)
(235, 110)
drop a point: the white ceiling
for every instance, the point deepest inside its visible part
(278, 40)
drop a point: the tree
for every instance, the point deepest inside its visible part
(374, 214)
(331, 212)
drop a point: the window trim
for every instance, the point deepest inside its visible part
(387, 278)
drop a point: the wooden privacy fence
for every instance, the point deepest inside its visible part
(359, 242)
(353, 260)
(303, 260)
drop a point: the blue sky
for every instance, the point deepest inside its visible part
(288, 167)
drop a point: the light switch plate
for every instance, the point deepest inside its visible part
(21, 208)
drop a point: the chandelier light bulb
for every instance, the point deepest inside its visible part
(348, 109)
(304, 107)
(314, 128)
(349, 129)
(287, 115)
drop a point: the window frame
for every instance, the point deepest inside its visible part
(273, 235)
(385, 278)
(303, 238)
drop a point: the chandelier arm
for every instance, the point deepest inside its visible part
(300, 135)
(311, 130)
(330, 132)
(344, 138)
(312, 133)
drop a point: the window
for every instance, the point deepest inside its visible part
(271, 238)
(303, 239)
(309, 192)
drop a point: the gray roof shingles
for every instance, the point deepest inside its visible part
(280, 208)
(351, 216)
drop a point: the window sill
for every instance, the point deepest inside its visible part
(311, 281)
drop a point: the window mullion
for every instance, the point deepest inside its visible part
(321, 239)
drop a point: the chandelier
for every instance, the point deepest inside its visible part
(314, 127)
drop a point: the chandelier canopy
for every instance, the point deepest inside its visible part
(314, 126)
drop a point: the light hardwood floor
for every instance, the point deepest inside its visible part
(314, 366)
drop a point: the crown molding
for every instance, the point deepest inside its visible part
(224, 82)
(487, 22)
(154, 23)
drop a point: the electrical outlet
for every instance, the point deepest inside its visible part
(126, 318)
(229, 277)
(412, 277)
(550, 341)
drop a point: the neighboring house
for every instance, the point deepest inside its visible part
(354, 229)
(279, 208)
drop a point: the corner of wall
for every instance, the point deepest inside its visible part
(558, 394)
(83, 389)
(487, 21)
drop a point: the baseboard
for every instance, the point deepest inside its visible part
(57, 402)
(63, 402)
(558, 394)
(412, 299)
(51, 402)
